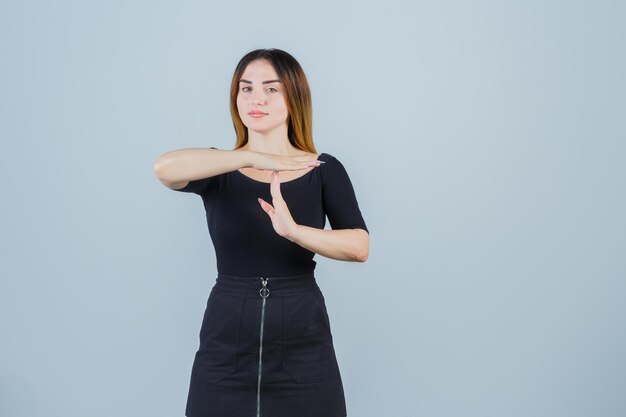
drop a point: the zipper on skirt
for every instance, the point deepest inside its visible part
(264, 292)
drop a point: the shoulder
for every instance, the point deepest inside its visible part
(332, 170)
(329, 159)
(330, 163)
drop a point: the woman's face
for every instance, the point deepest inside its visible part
(260, 90)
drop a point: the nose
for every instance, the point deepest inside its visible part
(258, 98)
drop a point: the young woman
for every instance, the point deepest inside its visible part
(266, 347)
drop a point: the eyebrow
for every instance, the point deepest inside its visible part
(264, 82)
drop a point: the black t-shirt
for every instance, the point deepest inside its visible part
(243, 237)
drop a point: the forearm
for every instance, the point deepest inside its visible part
(344, 244)
(190, 164)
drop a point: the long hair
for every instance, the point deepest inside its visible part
(297, 97)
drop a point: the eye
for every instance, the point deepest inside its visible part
(269, 88)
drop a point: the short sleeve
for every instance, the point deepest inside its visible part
(338, 197)
(199, 186)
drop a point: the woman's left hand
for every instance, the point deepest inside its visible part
(279, 214)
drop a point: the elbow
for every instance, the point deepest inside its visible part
(162, 169)
(362, 254)
(158, 168)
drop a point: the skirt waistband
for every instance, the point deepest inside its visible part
(252, 284)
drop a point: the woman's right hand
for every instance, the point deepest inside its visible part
(272, 162)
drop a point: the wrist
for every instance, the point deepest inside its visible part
(245, 158)
(294, 235)
(248, 158)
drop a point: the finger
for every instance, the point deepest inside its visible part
(267, 207)
(275, 186)
(307, 164)
(313, 163)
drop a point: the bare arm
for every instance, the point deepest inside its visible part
(344, 244)
(176, 168)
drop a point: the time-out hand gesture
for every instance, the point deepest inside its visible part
(279, 214)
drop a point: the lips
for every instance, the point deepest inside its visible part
(257, 115)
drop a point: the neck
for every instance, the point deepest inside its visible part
(275, 142)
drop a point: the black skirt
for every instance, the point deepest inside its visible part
(266, 350)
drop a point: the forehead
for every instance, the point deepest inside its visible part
(259, 70)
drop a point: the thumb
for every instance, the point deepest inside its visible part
(267, 207)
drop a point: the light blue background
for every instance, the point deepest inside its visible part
(485, 141)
